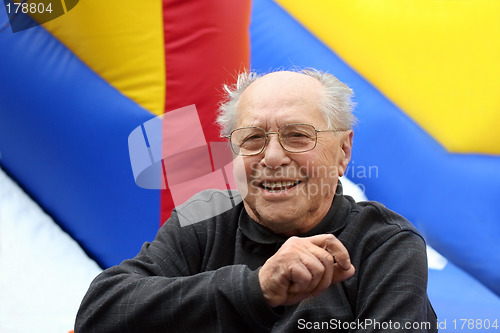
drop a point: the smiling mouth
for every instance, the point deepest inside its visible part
(279, 186)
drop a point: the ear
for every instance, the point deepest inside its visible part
(345, 151)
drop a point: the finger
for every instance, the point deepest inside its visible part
(320, 263)
(335, 247)
(340, 274)
(326, 279)
(315, 260)
(326, 270)
(307, 269)
(300, 277)
(334, 272)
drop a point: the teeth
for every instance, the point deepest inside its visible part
(279, 185)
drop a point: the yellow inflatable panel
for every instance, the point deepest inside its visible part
(122, 41)
(439, 61)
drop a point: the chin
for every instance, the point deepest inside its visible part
(280, 224)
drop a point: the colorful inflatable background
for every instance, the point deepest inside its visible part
(426, 79)
(425, 74)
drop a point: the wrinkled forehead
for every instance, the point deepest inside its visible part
(281, 97)
(281, 86)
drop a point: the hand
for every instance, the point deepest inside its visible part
(304, 267)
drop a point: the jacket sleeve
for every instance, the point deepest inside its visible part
(164, 290)
(392, 294)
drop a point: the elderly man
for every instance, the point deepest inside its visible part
(294, 253)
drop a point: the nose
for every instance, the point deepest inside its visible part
(274, 154)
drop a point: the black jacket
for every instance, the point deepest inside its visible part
(203, 276)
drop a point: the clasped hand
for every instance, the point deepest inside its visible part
(304, 267)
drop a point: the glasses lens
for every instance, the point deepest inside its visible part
(298, 138)
(248, 141)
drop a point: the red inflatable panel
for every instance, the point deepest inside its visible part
(206, 45)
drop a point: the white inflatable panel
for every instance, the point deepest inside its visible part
(44, 273)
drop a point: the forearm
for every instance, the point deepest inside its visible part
(224, 300)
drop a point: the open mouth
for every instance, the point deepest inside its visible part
(279, 186)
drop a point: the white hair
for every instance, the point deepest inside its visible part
(336, 103)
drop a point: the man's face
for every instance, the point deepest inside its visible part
(289, 193)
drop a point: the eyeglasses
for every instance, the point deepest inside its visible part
(294, 138)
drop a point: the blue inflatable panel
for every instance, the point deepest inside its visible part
(451, 198)
(462, 303)
(63, 137)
